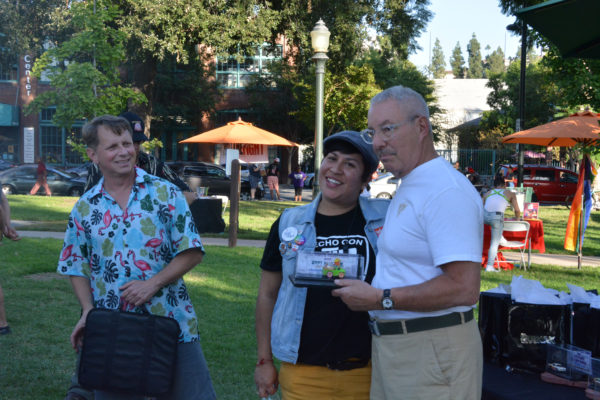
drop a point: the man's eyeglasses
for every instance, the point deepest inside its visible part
(387, 131)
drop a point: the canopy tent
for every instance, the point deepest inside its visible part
(572, 25)
(240, 132)
(577, 128)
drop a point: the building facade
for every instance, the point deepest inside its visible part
(25, 137)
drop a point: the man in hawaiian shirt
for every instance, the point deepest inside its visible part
(129, 241)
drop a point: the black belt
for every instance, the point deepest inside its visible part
(347, 364)
(379, 328)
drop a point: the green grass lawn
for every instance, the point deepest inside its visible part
(36, 361)
(52, 214)
(255, 219)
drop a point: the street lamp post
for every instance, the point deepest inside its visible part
(521, 120)
(320, 43)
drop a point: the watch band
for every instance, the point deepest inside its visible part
(386, 302)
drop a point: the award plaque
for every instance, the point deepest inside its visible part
(320, 269)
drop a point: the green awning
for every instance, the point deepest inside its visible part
(572, 25)
(9, 115)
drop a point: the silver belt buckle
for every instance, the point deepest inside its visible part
(374, 327)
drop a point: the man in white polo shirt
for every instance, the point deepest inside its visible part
(426, 344)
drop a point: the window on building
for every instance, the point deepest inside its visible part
(54, 144)
(9, 69)
(232, 73)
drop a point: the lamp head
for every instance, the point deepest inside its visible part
(319, 37)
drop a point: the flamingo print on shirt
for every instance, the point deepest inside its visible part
(111, 245)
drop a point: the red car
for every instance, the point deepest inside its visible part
(550, 184)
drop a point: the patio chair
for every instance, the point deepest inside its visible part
(521, 245)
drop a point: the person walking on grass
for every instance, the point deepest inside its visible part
(298, 179)
(273, 179)
(41, 179)
(7, 230)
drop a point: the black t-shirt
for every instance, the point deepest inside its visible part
(273, 169)
(330, 331)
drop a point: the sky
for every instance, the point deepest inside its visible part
(456, 21)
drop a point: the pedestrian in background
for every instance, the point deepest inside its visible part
(42, 178)
(254, 177)
(273, 178)
(298, 179)
(495, 202)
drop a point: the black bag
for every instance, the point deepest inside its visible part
(128, 353)
(515, 334)
(586, 328)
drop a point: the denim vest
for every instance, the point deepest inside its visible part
(286, 323)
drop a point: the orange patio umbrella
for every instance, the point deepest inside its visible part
(240, 132)
(581, 127)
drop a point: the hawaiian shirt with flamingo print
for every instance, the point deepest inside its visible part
(111, 246)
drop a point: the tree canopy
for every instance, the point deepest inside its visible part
(457, 62)
(475, 63)
(494, 63)
(83, 70)
(438, 62)
(164, 52)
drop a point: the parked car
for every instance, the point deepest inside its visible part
(20, 180)
(384, 187)
(550, 184)
(80, 170)
(212, 176)
(5, 165)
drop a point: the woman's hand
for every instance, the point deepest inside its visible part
(265, 377)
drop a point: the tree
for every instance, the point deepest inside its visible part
(475, 64)
(391, 70)
(345, 99)
(457, 62)
(577, 81)
(26, 24)
(438, 63)
(504, 100)
(83, 71)
(495, 63)
(182, 93)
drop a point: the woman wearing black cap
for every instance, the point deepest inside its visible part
(323, 346)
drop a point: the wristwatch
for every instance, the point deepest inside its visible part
(386, 302)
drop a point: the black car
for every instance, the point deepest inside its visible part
(202, 174)
(20, 180)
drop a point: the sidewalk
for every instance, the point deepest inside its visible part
(569, 261)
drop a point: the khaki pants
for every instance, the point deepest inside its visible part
(311, 382)
(440, 364)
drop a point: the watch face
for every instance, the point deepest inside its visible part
(387, 304)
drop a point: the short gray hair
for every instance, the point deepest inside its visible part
(404, 95)
(117, 125)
